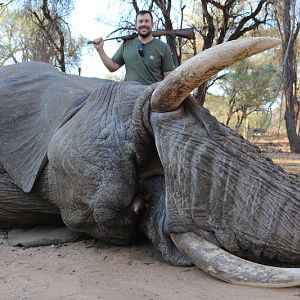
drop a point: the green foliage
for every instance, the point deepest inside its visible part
(249, 86)
(217, 106)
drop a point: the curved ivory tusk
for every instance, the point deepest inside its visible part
(171, 92)
(230, 268)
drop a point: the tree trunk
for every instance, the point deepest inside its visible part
(171, 42)
(165, 7)
(201, 92)
(290, 75)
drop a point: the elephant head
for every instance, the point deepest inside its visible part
(69, 141)
(117, 158)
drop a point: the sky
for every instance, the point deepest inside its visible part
(84, 21)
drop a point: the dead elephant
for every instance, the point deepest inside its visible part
(82, 151)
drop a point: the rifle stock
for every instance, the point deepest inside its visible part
(187, 33)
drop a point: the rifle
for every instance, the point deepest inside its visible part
(187, 33)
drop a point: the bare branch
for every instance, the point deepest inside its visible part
(135, 6)
(241, 30)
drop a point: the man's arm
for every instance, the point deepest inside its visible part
(108, 62)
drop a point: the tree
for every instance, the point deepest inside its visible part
(289, 26)
(47, 15)
(249, 88)
(38, 30)
(221, 21)
(20, 40)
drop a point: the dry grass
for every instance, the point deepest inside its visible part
(278, 151)
(289, 161)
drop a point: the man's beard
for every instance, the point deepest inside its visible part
(146, 34)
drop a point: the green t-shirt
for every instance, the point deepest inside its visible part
(145, 69)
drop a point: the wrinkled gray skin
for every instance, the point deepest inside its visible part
(84, 127)
(82, 151)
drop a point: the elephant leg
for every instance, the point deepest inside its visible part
(19, 209)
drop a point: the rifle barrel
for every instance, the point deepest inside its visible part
(187, 33)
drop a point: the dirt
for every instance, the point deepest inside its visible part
(87, 270)
(278, 151)
(92, 270)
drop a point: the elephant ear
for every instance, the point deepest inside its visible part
(36, 99)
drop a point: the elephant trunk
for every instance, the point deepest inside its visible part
(219, 186)
(222, 188)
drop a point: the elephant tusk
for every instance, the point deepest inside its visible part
(172, 91)
(230, 268)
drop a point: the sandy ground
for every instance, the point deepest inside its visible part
(89, 270)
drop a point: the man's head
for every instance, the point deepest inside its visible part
(144, 23)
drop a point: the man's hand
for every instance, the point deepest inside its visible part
(98, 44)
(108, 62)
